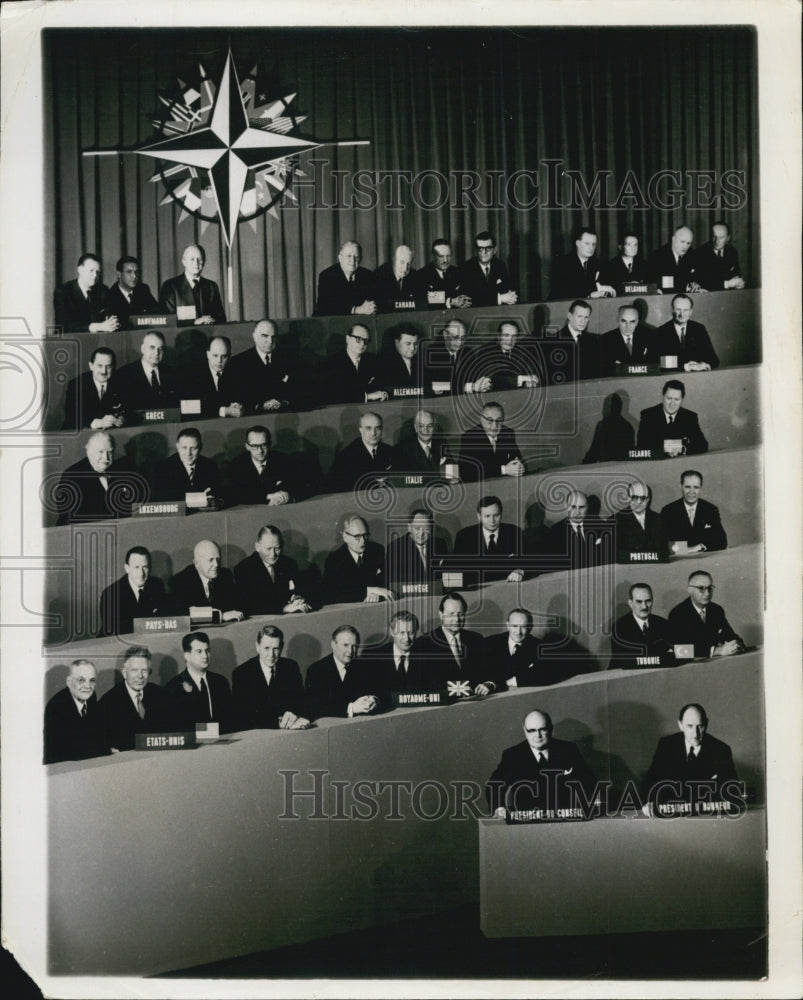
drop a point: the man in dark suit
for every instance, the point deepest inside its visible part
(399, 661)
(148, 383)
(640, 638)
(263, 375)
(192, 299)
(136, 594)
(79, 304)
(510, 358)
(73, 727)
(261, 476)
(206, 584)
(577, 274)
(489, 550)
(685, 340)
(489, 449)
(267, 580)
(423, 451)
(672, 267)
(699, 622)
(575, 352)
(484, 278)
(668, 429)
(198, 694)
(455, 654)
(128, 296)
(717, 262)
(213, 384)
(449, 363)
(135, 706)
(690, 765)
(97, 487)
(340, 685)
(414, 559)
(345, 288)
(353, 375)
(628, 344)
(439, 281)
(579, 540)
(516, 655)
(640, 532)
(363, 463)
(92, 399)
(355, 572)
(395, 284)
(627, 267)
(401, 368)
(187, 471)
(267, 690)
(692, 521)
(522, 780)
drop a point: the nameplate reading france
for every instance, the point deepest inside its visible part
(164, 623)
(160, 509)
(165, 741)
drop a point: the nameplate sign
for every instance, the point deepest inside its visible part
(419, 478)
(451, 471)
(207, 731)
(185, 313)
(641, 369)
(441, 387)
(159, 509)
(527, 381)
(164, 623)
(644, 557)
(150, 320)
(406, 390)
(674, 808)
(404, 304)
(160, 415)
(634, 288)
(667, 283)
(545, 815)
(680, 548)
(414, 589)
(165, 741)
(716, 808)
(648, 661)
(190, 407)
(683, 651)
(639, 453)
(407, 699)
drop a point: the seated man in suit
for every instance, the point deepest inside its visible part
(640, 638)
(484, 278)
(128, 296)
(628, 344)
(627, 267)
(73, 726)
(97, 487)
(198, 694)
(148, 384)
(206, 584)
(489, 449)
(213, 384)
(522, 779)
(266, 580)
(136, 594)
(672, 267)
(187, 471)
(582, 541)
(356, 570)
(92, 399)
(414, 559)
(341, 685)
(577, 276)
(263, 375)
(510, 357)
(352, 375)
(402, 373)
(668, 429)
(423, 451)
(192, 299)
(693, 524)
(685, 339)
(79, 304)
(345, 288)
(515, 654)
(448, 364)
(135, 706)
(439, 281)
(576, 350)
(267, 691)
(259, 475)
(489, 550)
(395, 283)
(365, 462)
(640, 532)
(400, 660)
(699, 622)
(690, 765)
(454, 654)
(717, 262)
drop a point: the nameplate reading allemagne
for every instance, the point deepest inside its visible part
(165, 741)
(407, 699)
(160, 509)
(408, 390)
(163, 623)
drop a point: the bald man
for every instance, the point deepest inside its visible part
(192, 299)
(365, 461)
(264, 375)
(213, 384)
(97, 487)
(205, 583)
(574, 538)
(355, 571)
(395, 283)
(672, 267)
(149, 383)
(627, 344)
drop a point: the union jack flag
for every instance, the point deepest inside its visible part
(458, 689)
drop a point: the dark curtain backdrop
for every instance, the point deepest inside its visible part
(446, 100)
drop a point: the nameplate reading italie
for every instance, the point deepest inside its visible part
(165, 741)
(644, 557)
(408, 390)
(168, 414)
(407, 699)
(160, 509)
(412, 589)
(152, 320)
(164, 623)
(639, 453)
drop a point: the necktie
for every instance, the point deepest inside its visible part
(216, 377)
(691, 511)
(104, 482)
(682, 333)
(702, 613)
(205, 693)
(645, 629)
(691, 755)
(140, 592)
(629, 265)
(422, 552)
(486, 271)
(140, 706)
(671, 419)
(191, 474)
(492, 542)
(101, 391)
(585, 265)
(351, 279)
(197, 298)
(458, 650)
(720, 253)
(83, 709)
(272, 573)
(493, 445)
(629, 344)
(261, 468)
(269, 676)
(154, 380)
(359, 562)
(373, 453)
(403, 665)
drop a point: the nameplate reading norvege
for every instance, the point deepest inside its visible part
(164, 623)
(413, 589)
(165, 741)
(408, 699)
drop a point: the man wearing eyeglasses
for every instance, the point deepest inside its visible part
(345, 288)
(640, 532)
(484, 278)
(365, 462)
(699, 622)
(352, 375)
(260, 475)
(355, 571)
(73, 723)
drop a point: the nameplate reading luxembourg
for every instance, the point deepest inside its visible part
(160, 509)
(165, 741)
(151, 320)
(163, 623)
(407, 699)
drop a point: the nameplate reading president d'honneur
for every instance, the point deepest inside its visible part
(165, 741)
(408, 699)
(160, 509)
(163, 623)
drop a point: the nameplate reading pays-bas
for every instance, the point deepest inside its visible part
(408, 699)
(165, 741)
(160, 509)
(163, 623)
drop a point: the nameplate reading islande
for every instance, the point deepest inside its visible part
(407, 699)
(639, 453)
(152, 320)
(160, 509)
(163, 623)
(165, 741)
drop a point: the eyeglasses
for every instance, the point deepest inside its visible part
(483, 247)
(351, 534)
(540, 732)
(703, 590)
(639, 496)
(256, 447)
(491, 420)
(360, 340)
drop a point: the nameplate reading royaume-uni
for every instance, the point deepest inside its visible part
(411, 699)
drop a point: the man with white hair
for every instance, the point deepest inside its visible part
(395, 282)
(192, 299)
(73, 728)
(345, 288)
(205, 583)
(355, 571)
(672, 266)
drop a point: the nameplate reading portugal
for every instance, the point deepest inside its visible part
(165, 741)
(164, 623)
(160, 509)
(408, 699)
(644, 557)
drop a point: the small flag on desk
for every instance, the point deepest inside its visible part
(207, 730)
(458, 689)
